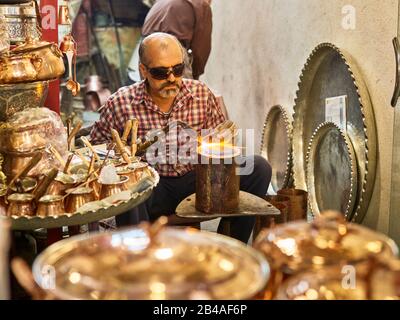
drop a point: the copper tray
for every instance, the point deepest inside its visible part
(107, 208)
(331, 171)
(249, 205)
(276, 146)
(330, 72)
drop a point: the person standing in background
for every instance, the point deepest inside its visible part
(188, 20)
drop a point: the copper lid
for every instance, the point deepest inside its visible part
(139, 263)
(328, 240)
(20, 197)
(371, 280)
(50, 198)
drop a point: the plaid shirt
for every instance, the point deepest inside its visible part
(195, 105)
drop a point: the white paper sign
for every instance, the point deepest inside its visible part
(335, 111)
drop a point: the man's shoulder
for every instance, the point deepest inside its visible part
(127, 93)
(196, 87)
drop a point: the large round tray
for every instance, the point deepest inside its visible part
(246, 270)
(329, 72)
(109, 207)
(276, 146)
(331, 171)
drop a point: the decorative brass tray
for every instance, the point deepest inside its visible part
(106, 208)
(331, 171)
(276, 146)
(249, 205)
(330, 72)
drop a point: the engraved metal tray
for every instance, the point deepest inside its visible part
(330, 72)
(331, 171)
(276, 146)
(106, 208)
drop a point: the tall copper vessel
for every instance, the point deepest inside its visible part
(217, 183)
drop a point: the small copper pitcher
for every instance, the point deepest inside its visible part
(20, 204)
(77, 198)
(109, 189)
(51, 205)
(61, 183)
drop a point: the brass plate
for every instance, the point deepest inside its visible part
(276, 146)
(331, 171)
(135, 196)
(330, 72)
(249, 205)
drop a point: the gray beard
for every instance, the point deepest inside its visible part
(169, 93)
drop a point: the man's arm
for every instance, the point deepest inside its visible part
(214, 113)
(201, 42)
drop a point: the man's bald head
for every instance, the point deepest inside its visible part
(160, 42)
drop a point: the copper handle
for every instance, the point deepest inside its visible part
(66, 167)
(24, 171)
(74, 132)
(44, 184)
(120, 145)
(135, 125)
(89, 145)
(396, 92)
(25, 278)
(127, 129)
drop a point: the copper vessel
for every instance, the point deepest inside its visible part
(217, 184)
(20, 204)
(298, 203)
(21, 19)
(50, 205)
(26, 185)
(21, 96)
(134, 171)
(19, 68)
(282, 203)
(51, 64)
(109, 189)
(327, 241)
(77, 198)
(150, 263)
(60, 184)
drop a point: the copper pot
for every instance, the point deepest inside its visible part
(134, 171)
(298, 203)
(27, 185)
(21, 19)
(18, 97)
(52, 64)
(109, 189)
(60, 184)
(25, 138)
(13, 162)
(282, 203)
(20, 204)
(78, 198)
(19, 68)
(131, 174)
(50, 205)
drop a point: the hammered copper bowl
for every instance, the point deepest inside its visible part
(50, 205)
(21, 96)
(109, 189)
(20, 204)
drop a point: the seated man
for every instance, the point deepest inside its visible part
(160, 99)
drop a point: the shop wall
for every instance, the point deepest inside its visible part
(260, 47)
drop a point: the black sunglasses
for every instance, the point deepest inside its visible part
(162, 73)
